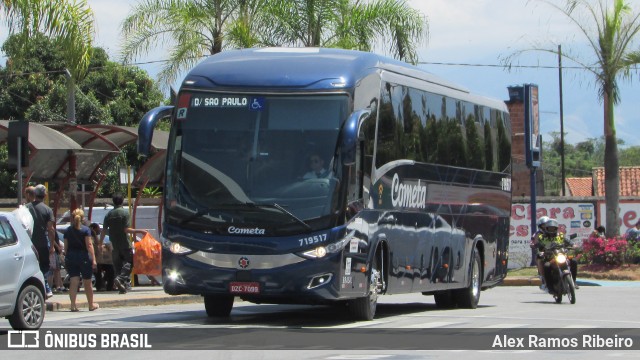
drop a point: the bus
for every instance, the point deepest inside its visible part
(413, 196)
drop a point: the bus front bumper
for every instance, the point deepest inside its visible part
(252, 278)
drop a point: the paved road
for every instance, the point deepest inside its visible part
(612, 305)
(504, 309)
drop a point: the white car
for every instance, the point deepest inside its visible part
(21, 281)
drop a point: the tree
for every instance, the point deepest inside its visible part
(580, 159)
(610, 33)
(35, 90)
(193, 28)
(351, 24)
(70, 22)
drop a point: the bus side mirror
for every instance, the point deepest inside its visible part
(147, 123)
(349, 139)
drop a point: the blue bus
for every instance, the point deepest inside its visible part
(326, 176)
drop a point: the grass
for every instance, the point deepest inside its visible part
(525, 271)
(629, 272)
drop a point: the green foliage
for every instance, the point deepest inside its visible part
(7, 178)
(152, 192)
(69, 22)
(192, 29)
(36, 90)
(579, 160)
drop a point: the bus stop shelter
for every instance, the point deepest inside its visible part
(71, 154)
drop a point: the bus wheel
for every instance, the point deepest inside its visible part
(469, 297)
(364, 308)
(218, 305)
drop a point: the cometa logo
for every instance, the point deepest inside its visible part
(244, 231)
(407, 195)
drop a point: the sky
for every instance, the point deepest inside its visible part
(479, 32)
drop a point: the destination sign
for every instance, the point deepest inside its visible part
(220, 101)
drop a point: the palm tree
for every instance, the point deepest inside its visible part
(194, 28)
(70, 22)
(351, 24)
(611, 40)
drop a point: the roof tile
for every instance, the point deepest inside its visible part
(579, 186)
(629, 181)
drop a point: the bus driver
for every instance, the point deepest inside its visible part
(316, 163)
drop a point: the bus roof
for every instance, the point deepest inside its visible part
(304, 69)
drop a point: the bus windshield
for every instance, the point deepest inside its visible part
(263, 161)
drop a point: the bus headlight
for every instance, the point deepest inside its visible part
(316, 253)
(174, 247)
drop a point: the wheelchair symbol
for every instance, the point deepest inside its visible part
(255, 105)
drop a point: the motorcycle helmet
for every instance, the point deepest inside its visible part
(542, 220)
(550, 227)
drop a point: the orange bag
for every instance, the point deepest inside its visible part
(147, 256)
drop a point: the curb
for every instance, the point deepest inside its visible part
(521, 281)
(164, 299)
(110, 303)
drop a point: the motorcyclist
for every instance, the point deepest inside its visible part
(549, 233)
(533, 244)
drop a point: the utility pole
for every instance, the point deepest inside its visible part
(71, 98)
(561, 119)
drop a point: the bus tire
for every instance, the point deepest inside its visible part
(364, 308)
(218, 305)
(469, 297)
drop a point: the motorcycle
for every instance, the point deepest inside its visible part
(557, 272)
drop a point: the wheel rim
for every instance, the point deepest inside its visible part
(475, 280)
(374, 287)
(32, 309)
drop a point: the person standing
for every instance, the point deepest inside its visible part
(80, 259)
(117, 224)
(633, 233)
(23, 212)
(55, 262)
(29, 194)
(44, 231)
(103, 250)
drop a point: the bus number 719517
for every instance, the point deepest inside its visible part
(313, 239)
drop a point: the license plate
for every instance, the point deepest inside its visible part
(244, 288)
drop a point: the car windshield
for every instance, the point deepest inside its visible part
(266, 161)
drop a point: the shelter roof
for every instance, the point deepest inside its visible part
(49, 152)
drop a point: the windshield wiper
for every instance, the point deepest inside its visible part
(198, 214)
(283, 210)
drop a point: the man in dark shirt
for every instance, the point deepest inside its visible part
(43, 230)
(117, 224)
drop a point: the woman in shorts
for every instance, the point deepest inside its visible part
(80, 259)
